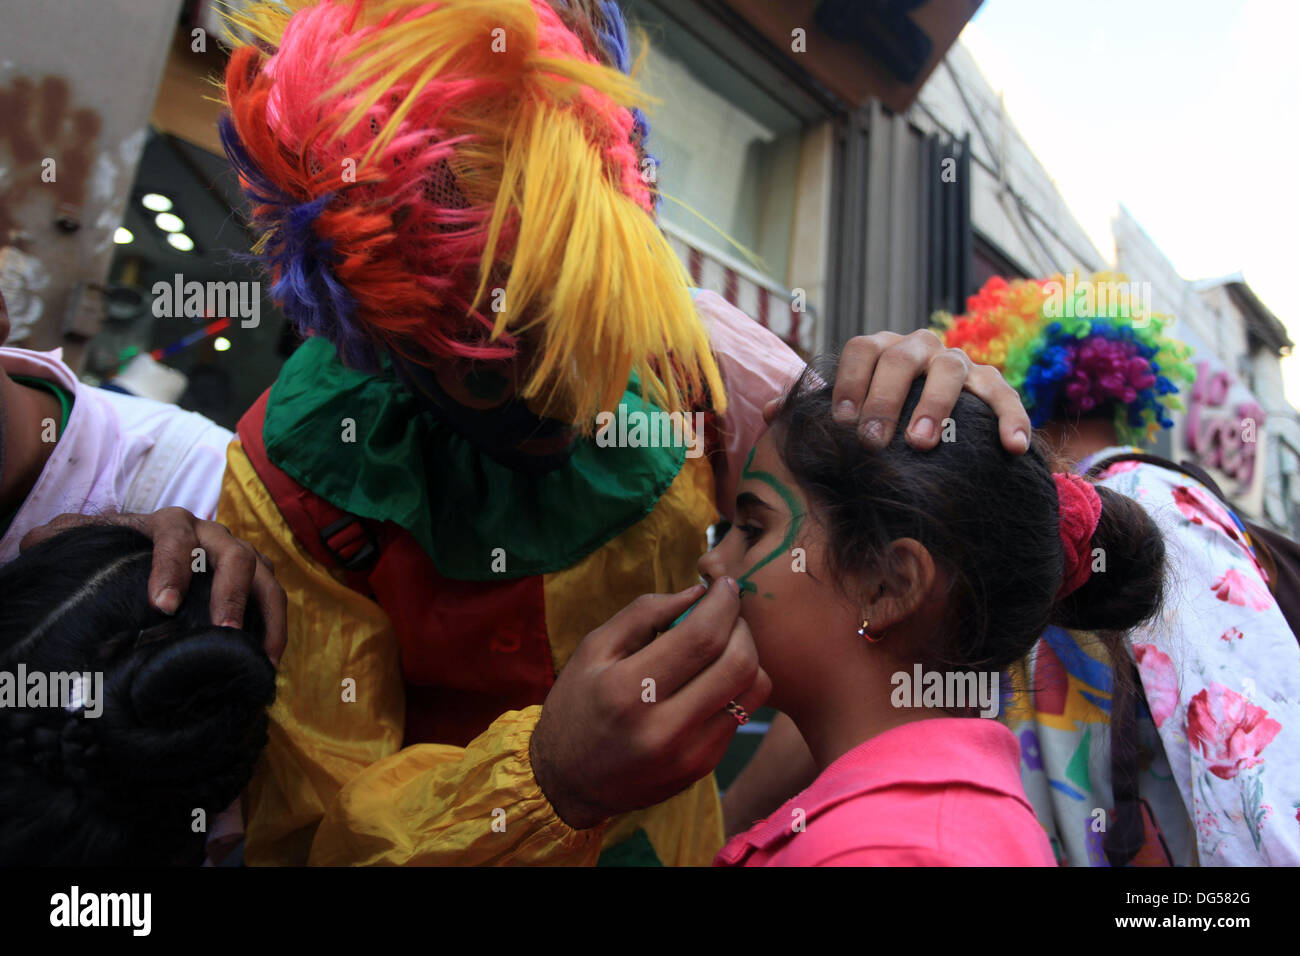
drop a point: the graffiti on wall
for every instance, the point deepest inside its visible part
(1219, 434)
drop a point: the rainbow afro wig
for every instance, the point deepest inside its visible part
(465, 180)
(1074, 347)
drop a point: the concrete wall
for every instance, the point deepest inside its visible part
(809, 235)
(1014, 201)
(740, 170)
(729, 167)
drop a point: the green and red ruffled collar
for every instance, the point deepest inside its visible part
(405, 465)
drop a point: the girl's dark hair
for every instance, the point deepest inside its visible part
(183, 715)
(988, 518)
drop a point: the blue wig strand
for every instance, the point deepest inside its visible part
(307, 290)
(614, 41)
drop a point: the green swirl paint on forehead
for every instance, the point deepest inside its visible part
(792, 532)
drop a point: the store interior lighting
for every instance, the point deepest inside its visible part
(169, 222)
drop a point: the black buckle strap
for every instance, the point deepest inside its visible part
(364, 556)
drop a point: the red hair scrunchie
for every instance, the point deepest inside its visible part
(1080, 507)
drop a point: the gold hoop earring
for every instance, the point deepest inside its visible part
(862, 632)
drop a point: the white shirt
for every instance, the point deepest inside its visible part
(118, 454)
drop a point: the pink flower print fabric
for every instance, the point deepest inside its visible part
(1242, 590)
(1228, 730)
(1159, 681)
(1220, 669)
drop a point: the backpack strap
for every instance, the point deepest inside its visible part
(331, 535)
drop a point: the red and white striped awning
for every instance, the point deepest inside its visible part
(761, 299)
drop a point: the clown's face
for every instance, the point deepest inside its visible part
(481, 401)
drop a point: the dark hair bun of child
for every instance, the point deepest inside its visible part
(183, 708)
(1127, 581)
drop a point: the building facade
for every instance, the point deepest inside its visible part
(1257, 341)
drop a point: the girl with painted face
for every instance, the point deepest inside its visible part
(886, 590)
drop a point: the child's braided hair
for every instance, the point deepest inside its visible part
(181, 715)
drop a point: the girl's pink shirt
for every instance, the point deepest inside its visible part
(939, 792)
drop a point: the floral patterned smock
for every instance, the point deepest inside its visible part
(1219, 732)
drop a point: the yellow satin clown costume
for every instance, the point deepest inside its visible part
(335, 785)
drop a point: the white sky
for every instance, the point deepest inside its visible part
(1186, 111)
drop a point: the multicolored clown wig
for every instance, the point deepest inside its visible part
(457, 179)
(1075, 347)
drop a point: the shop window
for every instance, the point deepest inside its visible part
(728, 160)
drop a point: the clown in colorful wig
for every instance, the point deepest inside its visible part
(1093, 354)
(454, 206)
(437, 180)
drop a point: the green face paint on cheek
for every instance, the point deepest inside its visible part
(796, 520)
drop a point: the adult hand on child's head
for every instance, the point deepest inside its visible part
(239, 569)
(609, 742)
(876, 372)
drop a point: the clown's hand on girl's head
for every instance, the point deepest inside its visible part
(876, 372)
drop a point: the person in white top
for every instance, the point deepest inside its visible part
(117, 453)
(71, 453)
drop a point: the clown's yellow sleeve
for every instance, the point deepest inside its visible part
(334, 785)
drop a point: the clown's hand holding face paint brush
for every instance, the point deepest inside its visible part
(641, 748)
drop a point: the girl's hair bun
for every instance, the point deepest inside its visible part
(1126, 586)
